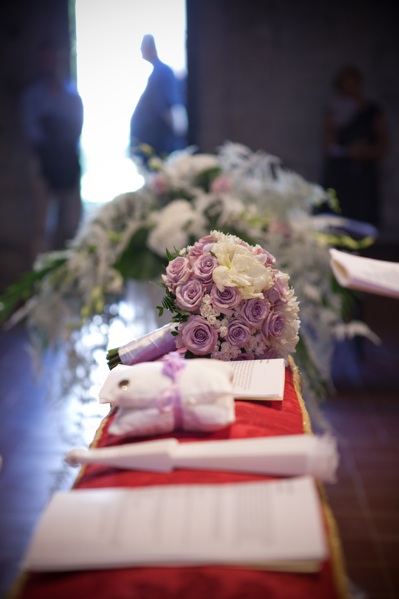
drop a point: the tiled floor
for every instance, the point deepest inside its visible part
(364, 416)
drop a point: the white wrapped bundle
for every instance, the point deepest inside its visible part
(288, 455)
(159, 397)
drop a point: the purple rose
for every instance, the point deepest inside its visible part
(198, 248)
(198, 336)
(276, 294)
(268, 354)
(274, 325)
(238, 333)
(177, 271)
(225, 301)
(189, 295)
(254, 311)
(204, 267)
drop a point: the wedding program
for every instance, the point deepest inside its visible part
(365, 274)
(252, 523)
(259, 379)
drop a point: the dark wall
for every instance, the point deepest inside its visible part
(260, 73)
(24, 24)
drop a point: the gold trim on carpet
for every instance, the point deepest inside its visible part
(93, 444)
(334, 539)
(337, 554)
(307, 425)
(17, 587)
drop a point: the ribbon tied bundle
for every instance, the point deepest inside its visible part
(159, 397)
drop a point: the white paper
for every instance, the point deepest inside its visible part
(365, 274)
(242, 523)
(259, 379)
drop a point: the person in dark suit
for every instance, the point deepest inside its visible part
(159, 119)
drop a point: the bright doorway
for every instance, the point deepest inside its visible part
(111, 76)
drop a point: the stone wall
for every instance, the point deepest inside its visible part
(260, 73)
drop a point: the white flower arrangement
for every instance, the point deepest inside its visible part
(235, 191)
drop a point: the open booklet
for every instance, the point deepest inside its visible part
(365, 274)
(259, 379)
(275, 525)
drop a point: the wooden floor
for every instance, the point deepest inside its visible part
(35, 434)
(36, 430)
(364, 416)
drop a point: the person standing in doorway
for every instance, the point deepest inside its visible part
(355, 141)
(52, 119)
(159, 119)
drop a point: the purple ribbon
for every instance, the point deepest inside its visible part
(149, 347)
(170, 398)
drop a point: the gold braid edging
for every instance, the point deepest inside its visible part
(307, 425)
(93, 444)
(334, 540)
(18, 586)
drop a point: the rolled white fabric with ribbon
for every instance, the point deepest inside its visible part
(288, 455)
(159, 397)
(149, 455)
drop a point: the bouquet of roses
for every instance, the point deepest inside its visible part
(229, 302)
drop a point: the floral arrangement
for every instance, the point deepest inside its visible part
(72, 298)
(230, 301)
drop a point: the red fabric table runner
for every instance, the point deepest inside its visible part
(253, 419)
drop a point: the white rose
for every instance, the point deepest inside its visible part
(184, 167)
(173, 225)
(238, 267)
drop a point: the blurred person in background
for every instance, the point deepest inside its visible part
(355, 139)
(159, 119)
(52, 119)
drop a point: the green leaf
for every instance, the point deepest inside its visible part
(313, 375)
(190, 356)
(113, 358)
(349, 300)
(20, 291)
(137, 261)
(172, 255)
(205, 179)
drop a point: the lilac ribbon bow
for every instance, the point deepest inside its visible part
(170, 398)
